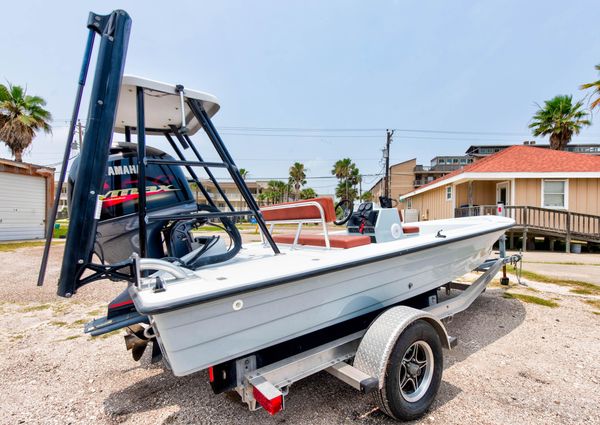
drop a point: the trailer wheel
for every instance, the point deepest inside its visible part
(413, 373)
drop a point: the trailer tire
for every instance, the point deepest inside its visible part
(416, 358)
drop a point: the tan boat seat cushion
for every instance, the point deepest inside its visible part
(302, 213)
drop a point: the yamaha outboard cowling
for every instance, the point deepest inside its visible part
(167, 191)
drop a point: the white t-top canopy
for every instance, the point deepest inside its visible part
(162, 105)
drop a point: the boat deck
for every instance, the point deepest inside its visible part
(257, 267)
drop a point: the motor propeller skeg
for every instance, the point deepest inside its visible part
(137, 342)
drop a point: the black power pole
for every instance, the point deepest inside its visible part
(388, 142)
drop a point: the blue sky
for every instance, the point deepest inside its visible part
(465, 67)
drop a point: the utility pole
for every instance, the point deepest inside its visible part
(386, 153)
(360, 187)
(80, 133)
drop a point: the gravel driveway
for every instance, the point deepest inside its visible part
(515, 363)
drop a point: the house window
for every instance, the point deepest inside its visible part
(409, 203)
(554, 194)
(448, 193)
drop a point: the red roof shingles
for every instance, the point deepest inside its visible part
(528, 159)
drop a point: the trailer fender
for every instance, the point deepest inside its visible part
(376, 345)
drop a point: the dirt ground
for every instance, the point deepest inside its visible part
(516, 362)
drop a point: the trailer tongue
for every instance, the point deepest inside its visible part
(360, 302)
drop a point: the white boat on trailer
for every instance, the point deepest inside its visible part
(259, 299)
(259, 316)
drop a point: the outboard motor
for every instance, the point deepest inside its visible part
(167, 192)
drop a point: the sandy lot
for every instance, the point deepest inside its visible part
(516, 362)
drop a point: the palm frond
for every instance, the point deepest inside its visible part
(560, 119)
(21, 116)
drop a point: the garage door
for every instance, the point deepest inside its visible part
(22, 207)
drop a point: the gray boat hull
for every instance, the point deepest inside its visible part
(196, 337)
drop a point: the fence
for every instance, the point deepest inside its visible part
(553, 222)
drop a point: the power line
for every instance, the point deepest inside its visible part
(380, 130)
(309, 177)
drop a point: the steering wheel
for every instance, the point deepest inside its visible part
(343, 212)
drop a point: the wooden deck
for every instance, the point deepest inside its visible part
(547, 222)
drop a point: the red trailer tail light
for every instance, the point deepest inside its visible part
(271, 405)
(211, 374)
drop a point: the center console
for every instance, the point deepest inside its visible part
(381, 224)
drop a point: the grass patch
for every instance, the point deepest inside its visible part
(61, 308)
(12, 246)
(58, 323)
(530, 299)
(565, 263)
(38, 307)
(16, 337)
(96, 312)
(594, 303)
(69, 338)
(575, 284)
(109, 334)
(597, 313)
(582, 291)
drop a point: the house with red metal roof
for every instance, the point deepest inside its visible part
(548, 192)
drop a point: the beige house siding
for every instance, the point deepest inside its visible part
(528, 192)
(432, 205)
(402, 180)
(584, 196)
(484, 193)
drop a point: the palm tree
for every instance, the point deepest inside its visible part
(560, 119)
(595, 86)
(345, 191)
(21, 116)
(366, 196)
(276, 191)
(349, 176)
(297, 177)
(342, 168)
(308, 193)
(243, 173)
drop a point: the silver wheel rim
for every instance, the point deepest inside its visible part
(416, 371)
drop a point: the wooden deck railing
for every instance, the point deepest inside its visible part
(475, 211)
(562, 223)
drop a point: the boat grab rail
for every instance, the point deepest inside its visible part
(299, 221)
(154, 264)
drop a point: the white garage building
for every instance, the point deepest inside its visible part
(26, 195)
